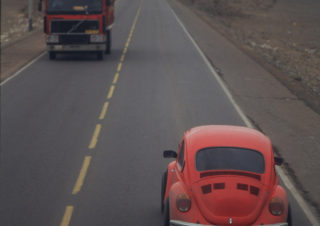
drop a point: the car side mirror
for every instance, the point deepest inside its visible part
(170, 154)
(278, 161)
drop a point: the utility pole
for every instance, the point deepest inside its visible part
(30, 11)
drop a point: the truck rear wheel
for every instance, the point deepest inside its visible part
(108, 42)
(52, 55)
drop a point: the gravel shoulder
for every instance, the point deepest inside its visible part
(282, 36)
(292, 125)
(21, 52)
(18, 45)
(14, 20)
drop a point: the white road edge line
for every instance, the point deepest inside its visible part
(304, 206)
(22, 69)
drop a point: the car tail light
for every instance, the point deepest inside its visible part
(183, 202)
(276, 206)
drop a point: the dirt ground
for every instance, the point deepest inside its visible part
(14, 19)
(283, 33)
(18, 45)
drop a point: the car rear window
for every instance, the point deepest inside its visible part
(229, 158)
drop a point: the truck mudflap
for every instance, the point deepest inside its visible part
(76, 48)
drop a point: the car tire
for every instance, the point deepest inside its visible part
(52, 55)
(108, 42)
(166, 216)
(289, 218)
(100, 55)
(163, 189)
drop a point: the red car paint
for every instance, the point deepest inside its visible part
(224, 196)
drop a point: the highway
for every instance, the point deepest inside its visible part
(82, 139)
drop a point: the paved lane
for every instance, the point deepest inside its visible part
(164, 88)
(49, 115)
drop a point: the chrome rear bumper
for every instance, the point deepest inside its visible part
(182, 223)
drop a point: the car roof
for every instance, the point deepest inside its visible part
(226, 136)
(202, 137)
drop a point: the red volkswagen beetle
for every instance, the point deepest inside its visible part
(223, 175)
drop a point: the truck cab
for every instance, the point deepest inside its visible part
(78, 26)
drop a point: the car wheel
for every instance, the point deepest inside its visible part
(100, 55)
(163, 189)
(166, 216)
(52, 55)
(289, 219)
(108, 42)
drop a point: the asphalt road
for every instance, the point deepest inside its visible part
(55, 125)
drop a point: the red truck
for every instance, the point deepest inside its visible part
(78, 26)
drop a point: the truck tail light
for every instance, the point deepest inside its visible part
(276, 206)
(183, 202)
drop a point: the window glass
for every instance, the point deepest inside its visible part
(181, 154)
(74, 6)
(228, 158)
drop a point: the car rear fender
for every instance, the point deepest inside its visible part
(170, 171)
(266, 217)
(176, 189)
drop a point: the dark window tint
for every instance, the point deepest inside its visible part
(228, 158)
(74, 6)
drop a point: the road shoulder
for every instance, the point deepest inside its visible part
(16, 55)
(293, 127)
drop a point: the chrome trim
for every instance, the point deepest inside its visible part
(76, 48)
(182, 223)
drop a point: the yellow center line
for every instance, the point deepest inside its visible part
(110, 94)
(82, 175)
(67, 216)
(86, 163)
(116, 77)
(95, 136)
(104, 110)
(125, 50)
(119, 67)
(122, 58)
